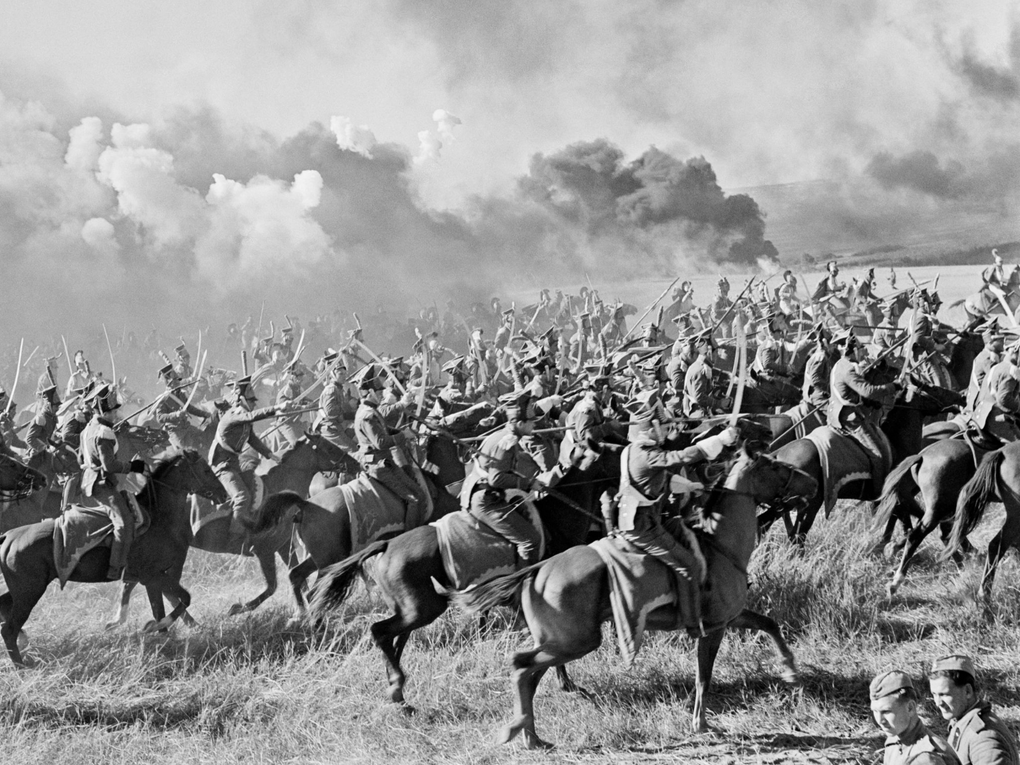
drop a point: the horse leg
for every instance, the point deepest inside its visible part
(528, 669)
(751, 620)
(179, 597)
(126, 588)
(1007, 537)
(806, 519)
(708, 648)
(298, 576)
(15, 611)
(914, 540)
(267, 562)
(391, 634)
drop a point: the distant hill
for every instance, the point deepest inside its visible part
(814, 221)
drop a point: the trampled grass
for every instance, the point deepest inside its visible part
(251, 689)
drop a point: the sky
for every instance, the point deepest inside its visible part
(209, 149)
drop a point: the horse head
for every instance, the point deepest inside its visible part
(185, 472)
(929, 399)
(779, 485)
(328, 456)
(18, 480)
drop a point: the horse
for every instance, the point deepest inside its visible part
(18, 480)
(155, 559)
(984, 303)
(328, 524)
(294, 470)
(937, 474)
(565, 599)
(997, 478)
(408, 564)
(902, 427)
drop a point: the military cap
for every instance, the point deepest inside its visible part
(368, 377)
(888, 683)
(45, 385)
(166, 371)
(519, 405)
(454, 365)
(286, 331)
(644, 406)
(548, 333)
(241, 383)
(508, 313)
(330, 356)
(536, 358)
(954, 662)
(598, 374)
(181, 350)
(683, 320)
(103, 396)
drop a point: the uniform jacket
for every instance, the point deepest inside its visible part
(816, 378)
(916, 746)
(234, 432)
(985, 360)
(699, 388)
(1000, 393)
(98, 454)
(851, 397)
(981, 738)
(772, 359)
(376, 439)
(41, 429)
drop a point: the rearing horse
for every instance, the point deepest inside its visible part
(565, 599)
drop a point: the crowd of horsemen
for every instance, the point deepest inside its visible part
(560, 382)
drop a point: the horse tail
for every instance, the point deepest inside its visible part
(334, 583)
(274, 509)
(499, 591)
(894, 491)
(973, 499)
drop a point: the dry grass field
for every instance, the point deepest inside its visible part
(249, 690)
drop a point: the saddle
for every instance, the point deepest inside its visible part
(81, 529)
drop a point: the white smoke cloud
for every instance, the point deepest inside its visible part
(100, 235)
(350, 137)
(445, 123)
(429, 147)
(85, 147)
(261, 229)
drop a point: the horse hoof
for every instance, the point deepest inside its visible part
(532, 741)
(237, 608)
(27, 662)
(890, 590)
(294, 623)
(407, 710)
(111, 625)
(397, 695)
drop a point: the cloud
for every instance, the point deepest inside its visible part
(349, 137)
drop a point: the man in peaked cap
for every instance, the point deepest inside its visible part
(182, 361)
(502, 338)
(977, 735)
(988, 357)
(588, 427)
(290, 427)
(720, 308)
(81, 375)
(377, 440)
(172, 411)
(700, 397)
(502, 464)
(817, 369)
(336, 404)
(646, 468)
(234, 432)
(998, 402)
(908, 741)
(100, 466)
(44, 423)
(855, 405)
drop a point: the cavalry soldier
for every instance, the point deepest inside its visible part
(68, 446)
(855, 405)
(885, 333)
(234, 432)
(646, 466)
(44, 423)
(682, 355)
(80, 377)
(998, 404)
(908, 742)
(817, 369)
(995, 279)
(289, 427)
(171, 412)
(700, 398)
(502, 463)
(771, 365)
(377, 440)
(502, 338)
(789, 300)
(8, 435)
(182, 362)
(587, 425)
(977, 735)
(829, 289)
(721, 308)
(988, 357)
(100, 466)
(336, 408)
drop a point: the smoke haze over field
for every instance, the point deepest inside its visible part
(405, 151)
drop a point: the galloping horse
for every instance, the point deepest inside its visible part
(409, 563)
(984, 303)
(938, 474)
(566, 598)
(294, 470)
(997, 478)
(902, 427)
(17, 480)
(155, 559)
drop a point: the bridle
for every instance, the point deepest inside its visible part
(24, 487)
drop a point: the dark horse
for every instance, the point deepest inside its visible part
(902, 427)
(997, 478)
(296, 466)
(156, 558)
(936, 476)
(566, 598)
(18, 480)
(408, 563)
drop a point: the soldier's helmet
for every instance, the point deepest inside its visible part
(102, 398)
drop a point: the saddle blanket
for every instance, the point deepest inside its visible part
(806, 418)
(214, 527)
(472, 552)
(380, 513)
(75, 532)
(843, 461)
(638, 585)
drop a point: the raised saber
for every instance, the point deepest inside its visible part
(649, 309)
(738, 399)
(70, 366)
(113, 363)
(17, 375)
(198, 378)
